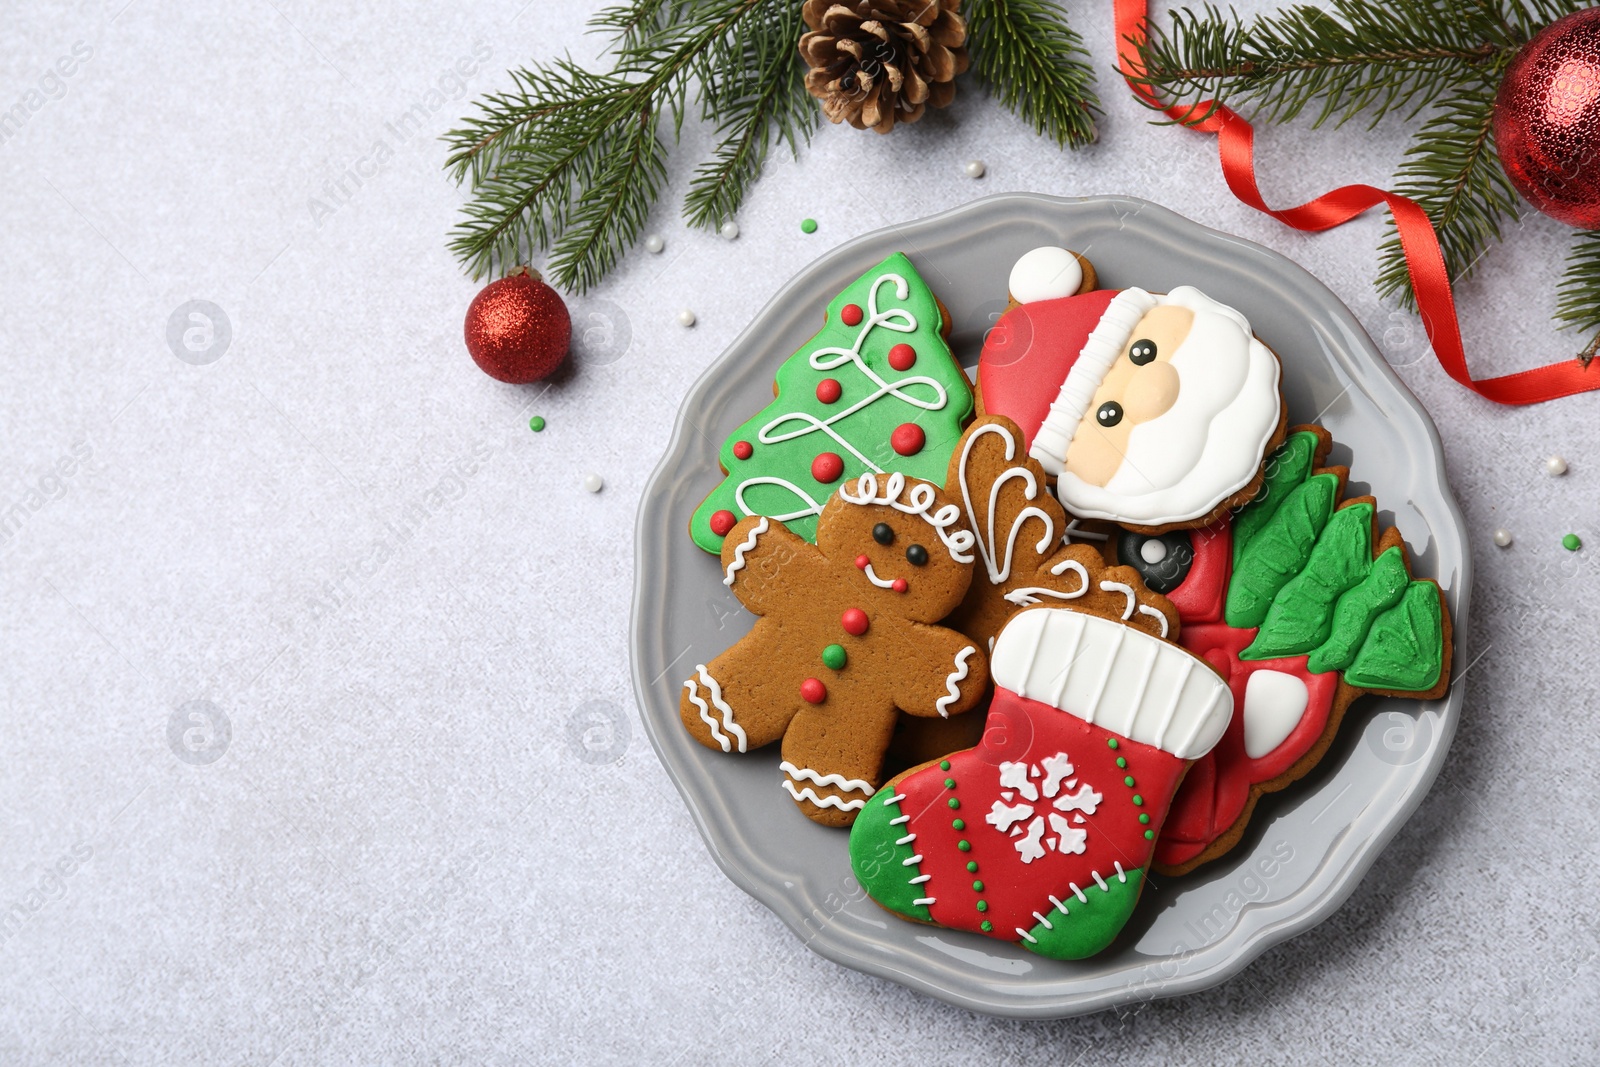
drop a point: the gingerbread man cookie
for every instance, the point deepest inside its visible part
(848, 638)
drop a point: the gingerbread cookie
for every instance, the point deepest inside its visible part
(1150, 410)
(875, 390)
(1303, 605)
(848, 638)
(1043, 834)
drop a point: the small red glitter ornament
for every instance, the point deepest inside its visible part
(1547, 120)
(518, 329)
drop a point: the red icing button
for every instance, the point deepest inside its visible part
(850, 315)
(813, 691)
(854, 621)
(908, 439)
(722, 522)
(827, 467)
(829, 390)
(900, 585)
(742, 449)
(902, 356)
(863, 561)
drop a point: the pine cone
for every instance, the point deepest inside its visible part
(878, 62)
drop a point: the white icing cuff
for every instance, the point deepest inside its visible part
(1047, 273)
(1106, 342)
(1114, 676)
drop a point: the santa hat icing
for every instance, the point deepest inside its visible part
(1045, 361)
(1115, 677)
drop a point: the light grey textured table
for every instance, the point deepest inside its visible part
(433, 830)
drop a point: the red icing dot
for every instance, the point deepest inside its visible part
(901, 357)
(900, 585)
(742, 449)
(827, 467)
(813, 691)
(722, 522)
(854, 622)
(829, 390)
(850, 315)
(908, 439)
(863, 561)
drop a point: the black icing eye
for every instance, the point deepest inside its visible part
(1142, 352)
(917, 556)
(883, 533)
(1162, 561)
(1110, 414)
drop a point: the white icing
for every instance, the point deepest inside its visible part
(1273, 704)
(790, 425)
(1015, 776)
(829, 801)
(806, 774)
(1146, 609)
(999, 572)
(1208, 446)
(1001, 816)
(744, 548)
(1056, 768)
(952, 682)
(1127, 591)
(1030, 594)
(1069, 838)
(1153, 551)
(1046, 273)
(1083, 535)
(1029, 847)
(919, 500)
(872, 576)
(1085, 800)
(1008, 818)
(724, 712)
(1162, 701)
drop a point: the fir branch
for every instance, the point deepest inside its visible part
(1363, 56)
(754, 87)
(1578, 298)
(1036, 64)
(1453, 174)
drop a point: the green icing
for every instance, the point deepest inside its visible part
(1280, 550)
(1088, 926)
(1301, 616)
(1405, 648)
(1288, 467)
(933, 393)
(879, 863)
(1353, 615)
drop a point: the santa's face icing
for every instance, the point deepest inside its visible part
(1158, 417)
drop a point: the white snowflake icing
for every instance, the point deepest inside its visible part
(1065, 793)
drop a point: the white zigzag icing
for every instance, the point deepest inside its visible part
(723, 711)
(806, 774)
(942, 705)
(744, 547)
(829, 801)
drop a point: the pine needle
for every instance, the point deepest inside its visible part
(1578, 297)
(1036, 65)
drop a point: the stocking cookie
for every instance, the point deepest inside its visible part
(1154, 411)
(847, 639)
(1019, 530)
(1043, 834)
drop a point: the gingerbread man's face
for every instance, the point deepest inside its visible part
(899, 547)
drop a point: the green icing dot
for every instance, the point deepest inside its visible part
(808, 225)
(1111, 742)
(977, 887)
(959, 824)
(1149, 835)
(834, 657)
(949, 783)
(1121, 762)
(944, 765)
(954, 803)
(1144, 817)
(1571, 543)
(986, 926)
(536, 423)
(983, 905)
(964, 846)
(1137, 799)
(972, 866)
(1128, 781)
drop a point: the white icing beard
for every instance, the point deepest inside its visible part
(1182, 464)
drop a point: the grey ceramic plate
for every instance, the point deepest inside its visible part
(1306, 848)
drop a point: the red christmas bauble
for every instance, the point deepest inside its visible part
(1547, 120)
(518, 329)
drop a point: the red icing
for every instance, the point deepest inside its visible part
(813, 691)
(902, 356)
(1205, 587)
(908, 439)
(742, 450)
(863, 561)
(1028, 353)
(900, 585)
(829, 390)
(850, 315)
(827, 467)
(854, 621)
(722, 522)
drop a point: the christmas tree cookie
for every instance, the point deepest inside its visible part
(1303, 605)
(1043, 833)
(876, 390)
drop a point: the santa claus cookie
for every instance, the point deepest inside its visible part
(1303, 604)
(1043, 833)
(1150, 410)
(847, 639)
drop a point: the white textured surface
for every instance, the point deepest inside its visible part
(344, 537)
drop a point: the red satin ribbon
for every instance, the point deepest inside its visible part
(1435, 303)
